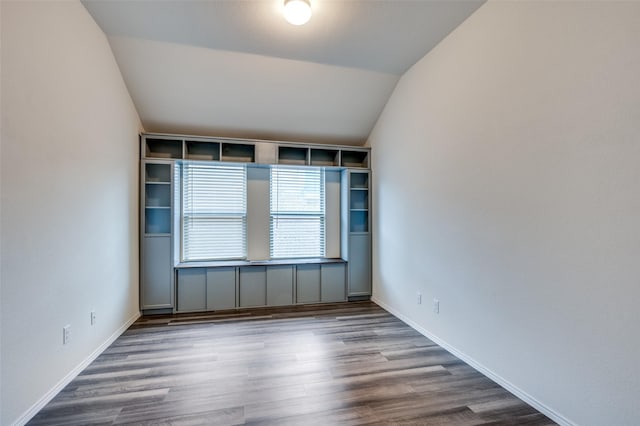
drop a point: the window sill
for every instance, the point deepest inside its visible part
(266, 262)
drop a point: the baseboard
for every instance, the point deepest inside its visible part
(35, 408)
(553, 415)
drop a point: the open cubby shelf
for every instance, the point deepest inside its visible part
(205, 150)
(325, 157)
(197, 150)
(157, 220)
(359, 221)
(175, 147)
(157, 173)
(163, 148)
(157, 195)
(359, 200)
(359, 180)
(236, 152)
(293, 155)
(355, 159)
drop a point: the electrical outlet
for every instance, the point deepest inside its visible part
(419, 299)
(436, 306)
(93, 317)
(66, 334)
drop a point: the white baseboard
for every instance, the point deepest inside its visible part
(553, 415)
(35, 408)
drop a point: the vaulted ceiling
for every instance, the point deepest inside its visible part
(236, 68)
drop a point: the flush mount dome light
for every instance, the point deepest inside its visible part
(297, 12)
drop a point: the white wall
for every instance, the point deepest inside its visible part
(69, 198)
(332, 213)
(247, 95)
(506, 167)
(258, 213)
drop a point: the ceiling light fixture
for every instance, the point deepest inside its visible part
(297, 12)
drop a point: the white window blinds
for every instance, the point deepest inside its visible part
(214, 212)
(297, 212)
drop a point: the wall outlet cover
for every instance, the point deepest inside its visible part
(66, 334)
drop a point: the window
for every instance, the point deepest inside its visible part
(214, 212)
(297, 212)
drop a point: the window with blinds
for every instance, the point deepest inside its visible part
(214, 212)
(297, 212)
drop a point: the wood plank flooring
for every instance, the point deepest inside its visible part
(339, 364)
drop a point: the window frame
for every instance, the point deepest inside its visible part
(321, 214)
(183, 193)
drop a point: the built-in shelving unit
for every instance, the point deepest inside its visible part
(156, 277)
(175, 147)
(202, 149)
(355, 237)
(359, 202)
(208, 288)
(157, 199)
(238, 284)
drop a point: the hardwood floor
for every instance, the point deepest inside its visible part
(341, 364)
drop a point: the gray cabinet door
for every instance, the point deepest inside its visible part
(279, 285)
(192, 290)
(308, 283)
(221, 288)
(332, 280)
(157, 273)
(359, 265)
(253, 286)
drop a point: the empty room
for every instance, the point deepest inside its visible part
(331, 212)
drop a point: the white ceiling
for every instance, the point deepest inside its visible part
(237, 68)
